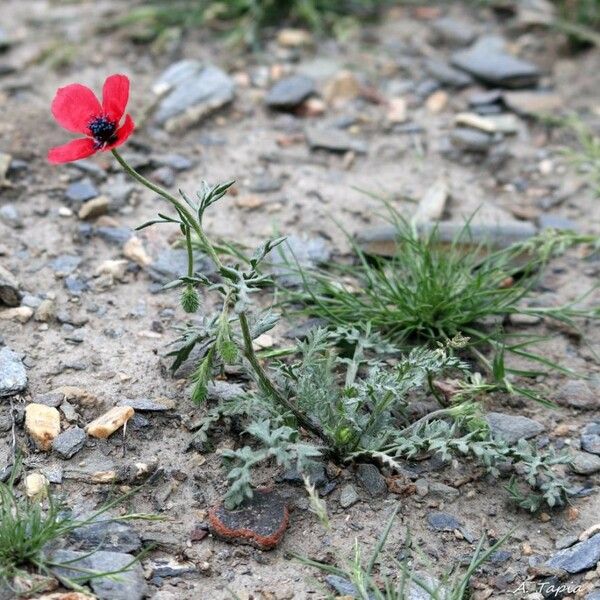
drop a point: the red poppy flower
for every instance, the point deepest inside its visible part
(77, 109)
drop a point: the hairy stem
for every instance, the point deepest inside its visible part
(179, 206)
(270, 388)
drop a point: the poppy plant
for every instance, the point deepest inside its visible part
(76, 108)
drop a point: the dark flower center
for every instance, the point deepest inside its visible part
(103, 131)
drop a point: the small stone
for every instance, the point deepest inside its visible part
(490, 124)
(171, 568)
(294, 38)
(396, 112)
(448, 75)
(547, 221)
(371, 479)
(80, 191)
(94, 208)
(42, 424)
(488, 61)
(348, 496)
(134, 251)
(441, 521)
(471, 140)
(585, 463)
(290, 92)
(577, 394)
(512, 428)
(264, 184)
(36, 485)
(9, 288)
(171, 263)
(580, 557)
(532, 103)
(192, 92)
(109, 422)
(433, 203)
(69, 442)
(259, 521)
(13, 376)
(443, 491)
(149, 404)
(342, 87)
(249, 201)
(65, 264)
(115, 269)
(46, 311)
(590, 438)
(9, 215)
(307, 252)
(524, 319)
(22, 314)
(113, 536)
(334, 140)
(53, 399)
(453, 31)
(437, 101)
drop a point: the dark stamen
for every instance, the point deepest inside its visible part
(103, 131)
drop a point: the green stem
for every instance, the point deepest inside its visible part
(190, 251)
(270, 388)
(181, 208)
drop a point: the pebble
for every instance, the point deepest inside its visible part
(447, 75)
(343, 86)
(9, 288)
(471, 140)
(192, 91)
(22, 314)
(42, 423)
(65, 264)
(441, 521)
(442, 491)
(114, 235)
(580, 557)
(453, 31)
(348, 496)
(433, 202)
(488, 61)
(590, 438)
(134, 251)
(109, 422)
(171, 263)
(36, 485)
(585, 463)
(259, 521)
(170, 568)
(490, 124)
(532, 103)
(94, 208)
(69, 442)
(80, 191)
(371, 479)
(334, 140)
(52, 399)
(290, 92)
(9, 215)
(13, 376)
(512, 428)
(307, 252)
(294, 38)
(548, 221)
(115, 269)
(396, 112)
(577, 394)
(46, 311)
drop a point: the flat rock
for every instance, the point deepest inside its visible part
(447, 75)
(69, 442)
(590, 438)
(532, 103)
(580, 557)
(371, 479)
(13, 377)
(441, 521)
(171, 263)
(348, 496)
(81, 191)
(302, 250)
(453, 31)
(512, 428)
(149, 404)
(577, 393)
(471, 140)
(65, 264)
(94, 208)
(108, 535)
(290, 92)
(334, 140)
(192, 91)
(260, 521)
(9, 288)
(585, 463)
(488, 61)
(106, 424)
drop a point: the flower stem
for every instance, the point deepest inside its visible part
(270, 388)
(181, 208)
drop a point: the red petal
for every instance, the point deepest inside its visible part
(74, 106)
(74, 150)
(115, 95)
(122, 133)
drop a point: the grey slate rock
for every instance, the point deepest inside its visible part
(194, 92)
(371, 479)
(585, 463)
(348, 496)
(580, 557)
(590, 438)
(441, 521)
(172, 263)
(65, 264)
(13, 377)
(290, 91)
(512, 428)
(69, 442)
(9, 288)
(471, 140)
(453, 31)
(80, 191)
(334, 140)
(577, 393)
(52, 399)
(448, 75)
(112, 536)
(9, 214)
(307, 252)
(148, 404)
(488, 61)
(113, 235)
